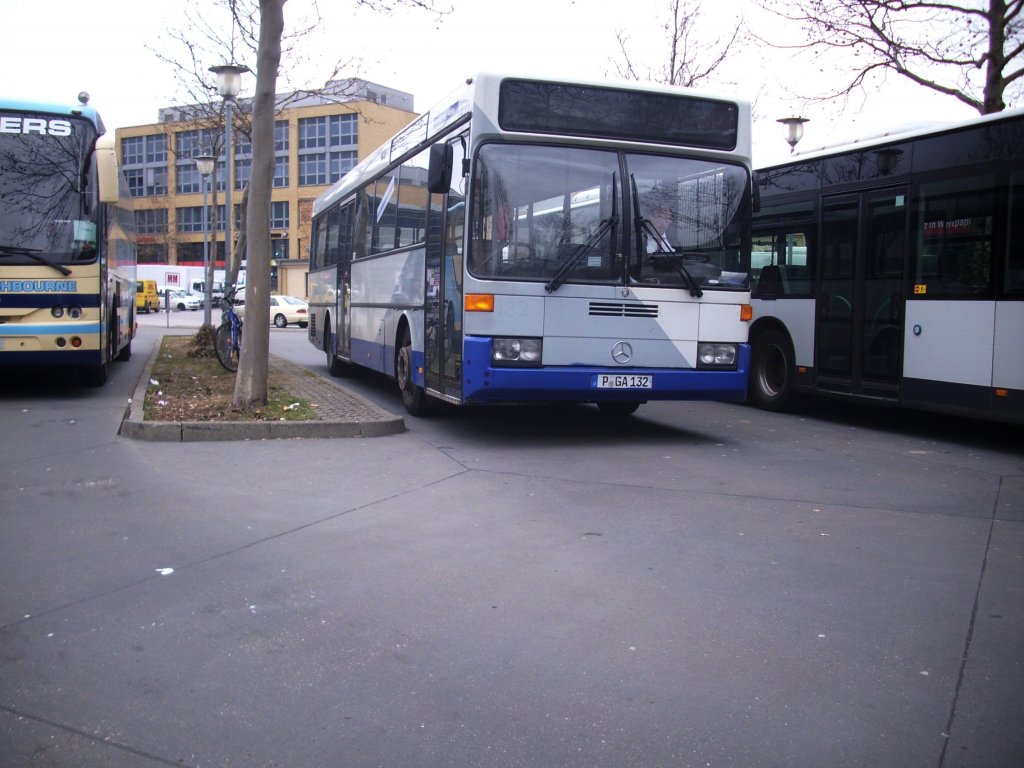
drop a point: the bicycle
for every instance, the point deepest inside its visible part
(227, 341)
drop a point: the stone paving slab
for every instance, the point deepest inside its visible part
(342, 413)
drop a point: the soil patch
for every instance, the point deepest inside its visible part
(188, 384)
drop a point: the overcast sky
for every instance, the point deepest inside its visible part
(55, 48)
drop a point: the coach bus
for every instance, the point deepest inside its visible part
(67, 246)
(541, 240)
(892, 271)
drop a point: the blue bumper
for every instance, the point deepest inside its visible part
(484, 383)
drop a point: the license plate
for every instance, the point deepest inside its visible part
(622, 381)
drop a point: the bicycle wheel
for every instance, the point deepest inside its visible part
(227, 353)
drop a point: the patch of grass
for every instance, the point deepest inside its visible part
(190, 385)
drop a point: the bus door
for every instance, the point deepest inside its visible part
(444, 303)
(860, 292)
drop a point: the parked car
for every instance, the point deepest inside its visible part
(285, 310)
(179, 299)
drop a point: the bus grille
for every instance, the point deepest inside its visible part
(622, 309)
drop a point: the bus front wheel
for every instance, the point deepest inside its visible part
(771, 371)
(335, 366)
(413, 396)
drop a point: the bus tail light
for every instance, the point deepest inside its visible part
(479, 302)
(76, 342)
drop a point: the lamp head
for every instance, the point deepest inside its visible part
(794, 129)
(229, 79)
(205, 164)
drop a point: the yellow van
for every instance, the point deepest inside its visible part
(146, 298)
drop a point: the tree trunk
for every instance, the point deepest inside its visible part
(251, 382)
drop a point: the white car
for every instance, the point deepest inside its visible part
(285, 310)
(179, 299)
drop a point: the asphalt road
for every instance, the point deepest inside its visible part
(700, 585)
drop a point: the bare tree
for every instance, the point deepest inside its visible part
(251, 382)
(691, 61)
(204, 40)
(970, 50)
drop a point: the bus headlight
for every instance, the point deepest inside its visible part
(516, 352)
(711, 355)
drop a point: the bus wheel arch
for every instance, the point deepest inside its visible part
(772, 369)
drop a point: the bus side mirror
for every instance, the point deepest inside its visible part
(439, 174)
(106, 170)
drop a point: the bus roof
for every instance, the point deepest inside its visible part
(78, 109)
(896, 135)
(458, 106)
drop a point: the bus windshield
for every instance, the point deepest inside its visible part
(47, 216)
(571, 215)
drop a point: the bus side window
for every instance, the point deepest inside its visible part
(1013, 271)
(955, 236)
(780, 263)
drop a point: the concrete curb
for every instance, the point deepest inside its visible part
(353, 415)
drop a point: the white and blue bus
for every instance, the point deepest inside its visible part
(542, 240)
(67, 244)
(892, 271)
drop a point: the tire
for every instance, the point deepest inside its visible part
(125, 354)
(96, 375)
(181, 307)
(335, 366)
(618, 410)
(413, 397)
(772, 371)
(280, 321)
(222, 346)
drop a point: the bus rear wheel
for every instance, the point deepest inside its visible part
(772, 371)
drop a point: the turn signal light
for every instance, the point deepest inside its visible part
(479, 302)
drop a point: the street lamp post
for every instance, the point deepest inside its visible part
(794, 130)
(229, 83)
(206, 165)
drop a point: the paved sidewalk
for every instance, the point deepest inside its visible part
(342, 414)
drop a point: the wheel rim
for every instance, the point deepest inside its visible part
(280, 321)
(772, 373)
(404, 368)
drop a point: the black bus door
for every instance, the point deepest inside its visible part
(859, 323)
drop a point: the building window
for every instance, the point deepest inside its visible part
(156, 180)
(281, 166)
(133, 151)
(190, 219)
(312, 169)
(243, 172)
(156, 148)
(151, 222)
(189, 178)
(279, 214)
(152, 253)
(341, 163)
(312, 132)
(135, 179)
(344, 130)
(281, 136)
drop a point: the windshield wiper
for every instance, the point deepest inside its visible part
(32, 253)
(665, 250)
(583, 249)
